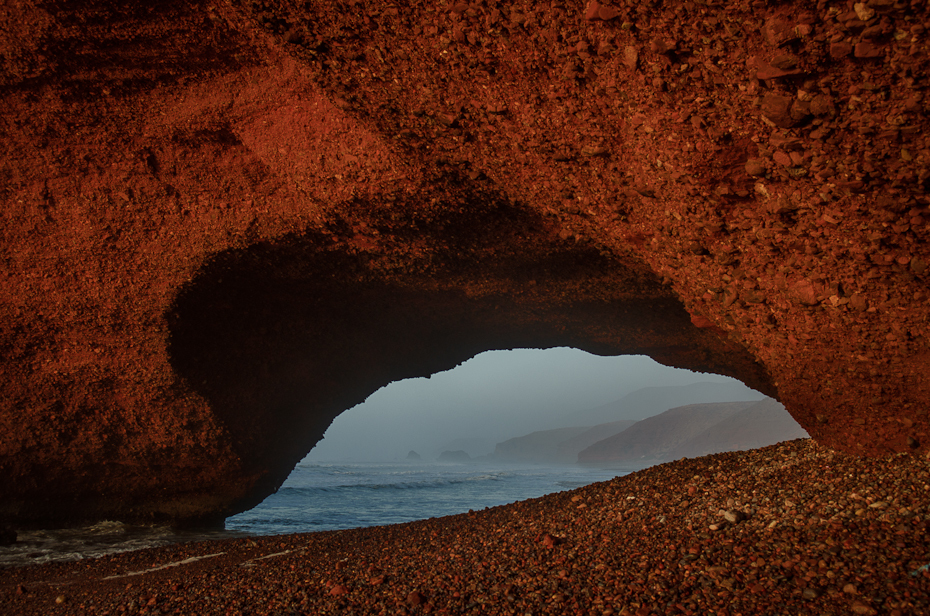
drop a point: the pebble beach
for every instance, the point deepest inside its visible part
(789, 529)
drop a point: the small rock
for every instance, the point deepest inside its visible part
(858, 302)
(867, 50)
(416, 598)
(777, 109)
(775, 31)
(696, 248)
(60, 599)
(805, 293)
(840, 50)
(853, 186)
(662, 46)
(338, 589)
(767, 71)
(630, 57)
(810, 594)
(606, 13)
(755, 167)
(863, 12)
(782, 159)
(800, 110)
(785, 62)
(447, 119)
(591, 13)
(734, 516)
(594, 150)
(822, 105)
(550, 541)
(858, 607)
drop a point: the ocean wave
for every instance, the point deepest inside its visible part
(571, 485)
(422, 484)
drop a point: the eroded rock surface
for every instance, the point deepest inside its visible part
(225, 223)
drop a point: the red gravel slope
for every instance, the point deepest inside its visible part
(817, 533)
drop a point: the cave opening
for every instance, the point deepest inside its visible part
(280, 337)
(503, 426)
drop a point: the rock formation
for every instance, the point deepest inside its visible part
(224, 223)
(454, 456)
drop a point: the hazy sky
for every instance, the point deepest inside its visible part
(494, 396)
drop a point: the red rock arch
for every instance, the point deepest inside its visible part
(738, 188)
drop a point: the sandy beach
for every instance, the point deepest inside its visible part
(788, 529)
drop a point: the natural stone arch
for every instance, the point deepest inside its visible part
(448, 153)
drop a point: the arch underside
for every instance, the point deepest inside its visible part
(282, 337)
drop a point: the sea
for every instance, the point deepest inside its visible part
(320, 496)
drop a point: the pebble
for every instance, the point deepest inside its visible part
(777, 108)
(840, 50)
(755, 167)
(782, 158)
(416, 598)
(863, 11)
(734, 516)
(630, 57)
(867, 49)
(859, 607)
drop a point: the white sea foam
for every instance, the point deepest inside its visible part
(41, 546)
(318, 497)
(177, 563)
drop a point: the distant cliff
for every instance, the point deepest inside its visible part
(694, 430)
(684, 431)
(537, 447)
(648, 401)
(764, 423)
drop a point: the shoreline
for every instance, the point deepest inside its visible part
(792, 528)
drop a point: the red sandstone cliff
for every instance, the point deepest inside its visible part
(224, 223)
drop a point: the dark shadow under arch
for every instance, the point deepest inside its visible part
(282, 337)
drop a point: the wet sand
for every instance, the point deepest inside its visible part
(788, 529)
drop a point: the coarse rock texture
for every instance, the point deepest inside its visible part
(814, 532)
(226, 222)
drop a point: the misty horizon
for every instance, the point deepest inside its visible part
(493, 397)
